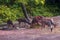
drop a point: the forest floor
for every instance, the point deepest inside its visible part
(31, 34)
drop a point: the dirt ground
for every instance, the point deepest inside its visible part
(32, 34)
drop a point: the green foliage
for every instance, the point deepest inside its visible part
(40, 2)
(22, 1)
(11, 9)
(9, 13)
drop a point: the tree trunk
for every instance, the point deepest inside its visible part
(24, 11)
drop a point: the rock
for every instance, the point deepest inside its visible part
(57, 20)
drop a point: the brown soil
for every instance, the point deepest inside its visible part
(31, 34)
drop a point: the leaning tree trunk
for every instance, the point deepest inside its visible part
(25, 11)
